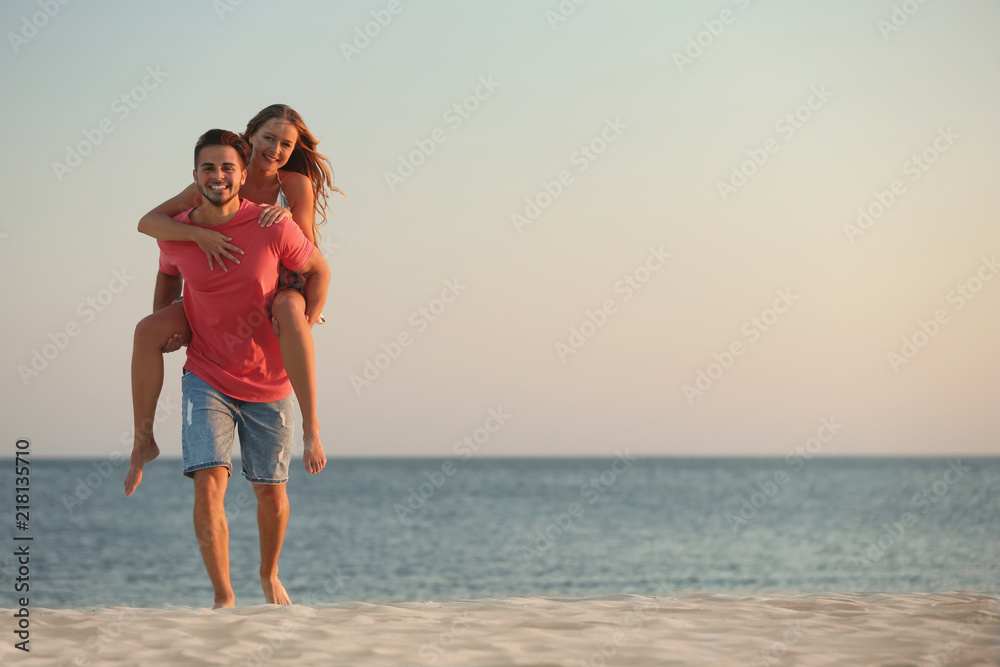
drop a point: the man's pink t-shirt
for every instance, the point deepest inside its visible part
(233, 347)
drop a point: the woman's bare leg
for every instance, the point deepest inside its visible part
(151, 335)
(297, 353)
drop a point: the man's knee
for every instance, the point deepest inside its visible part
(288, 304)
(210, 484)
(270, 493)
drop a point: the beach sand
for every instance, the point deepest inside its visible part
(924, 629)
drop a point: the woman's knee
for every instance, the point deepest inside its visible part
(149, 329)
(156, 329)
(288, 303)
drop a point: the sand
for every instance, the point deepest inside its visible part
(931, 629)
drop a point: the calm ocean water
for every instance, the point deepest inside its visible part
(424, 529)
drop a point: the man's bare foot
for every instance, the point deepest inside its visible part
(274, 592)
(312, 454)
(144, 450)
(227, 601)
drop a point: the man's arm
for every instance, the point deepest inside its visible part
(167, 289)
(317, 275)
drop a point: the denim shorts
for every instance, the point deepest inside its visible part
(209, 419)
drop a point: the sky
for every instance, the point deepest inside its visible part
(715, 228)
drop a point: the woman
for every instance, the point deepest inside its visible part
(288, 177)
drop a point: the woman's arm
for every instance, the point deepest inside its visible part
(298, 190)
(160, 224)
(317, 274)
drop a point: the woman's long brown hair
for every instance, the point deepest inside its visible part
(305, 159)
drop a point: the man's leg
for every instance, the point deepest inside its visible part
(212, 531)
(208, 422)
(272, 519)
(266, 436)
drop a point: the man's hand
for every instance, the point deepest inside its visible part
(217, 246)
(175, 343)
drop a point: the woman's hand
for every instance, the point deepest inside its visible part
(216, 246)
(272, 214)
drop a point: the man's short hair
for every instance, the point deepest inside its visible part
(218, 137)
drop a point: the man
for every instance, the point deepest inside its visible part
(234, 377)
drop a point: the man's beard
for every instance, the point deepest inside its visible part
(213, 196)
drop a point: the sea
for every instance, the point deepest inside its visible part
(410, 530)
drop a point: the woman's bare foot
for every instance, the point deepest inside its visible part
(312, 454)
(274, 592)
(144, 450)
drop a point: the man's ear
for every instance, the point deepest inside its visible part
(244, 179)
